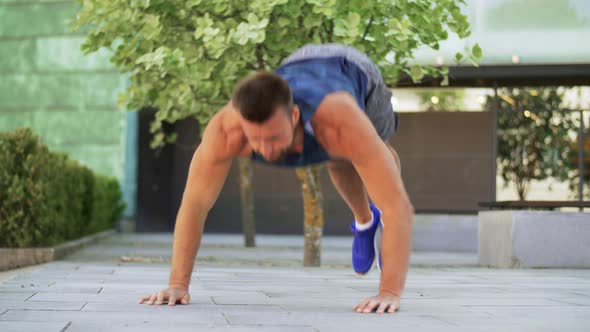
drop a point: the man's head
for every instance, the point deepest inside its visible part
(268, 115)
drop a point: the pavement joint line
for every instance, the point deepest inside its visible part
(443, 320)
(66, 327)
(31, 296)
(570, 303)
(225, 317)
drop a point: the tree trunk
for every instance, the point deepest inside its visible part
(313, 213)
(247, 202)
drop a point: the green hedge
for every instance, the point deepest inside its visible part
(46, 198)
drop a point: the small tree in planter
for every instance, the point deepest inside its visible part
(534, 134)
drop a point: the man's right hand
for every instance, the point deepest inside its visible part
(170, 294)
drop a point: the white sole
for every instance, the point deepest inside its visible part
(377, 244)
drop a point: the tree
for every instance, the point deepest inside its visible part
(534, 135)
(576, 177)
(184, 56)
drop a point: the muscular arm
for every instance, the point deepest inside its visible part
(345, 131)
(207, 173)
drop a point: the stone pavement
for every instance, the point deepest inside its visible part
(254, 289)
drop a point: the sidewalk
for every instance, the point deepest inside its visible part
(266, 289)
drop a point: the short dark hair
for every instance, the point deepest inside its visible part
(258, 95)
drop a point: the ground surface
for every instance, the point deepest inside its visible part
(266, 289)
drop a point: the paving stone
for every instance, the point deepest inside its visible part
(158, 313)
(51, 289)
(33, 326)
(255, 298)
(182, 327)
(195, 300)
(117, 298)
(41, 305)
(15, 296)
(242, 298)
(488, 302)
(584, 301)
(345, 318)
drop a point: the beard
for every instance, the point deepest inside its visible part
(285, 151)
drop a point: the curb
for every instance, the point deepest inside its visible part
(12, 258)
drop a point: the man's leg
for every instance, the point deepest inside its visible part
(395, 156)
(349, 185)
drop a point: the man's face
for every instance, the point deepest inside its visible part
(274, 137)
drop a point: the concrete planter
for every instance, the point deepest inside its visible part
(513, 239)
(11, 258)
(444, 233)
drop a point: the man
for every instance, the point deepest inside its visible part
(325, 103)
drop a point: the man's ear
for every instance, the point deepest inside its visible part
(295, 115)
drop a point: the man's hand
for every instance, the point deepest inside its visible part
(383, 302)
(170, 294)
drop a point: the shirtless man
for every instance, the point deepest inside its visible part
(325, 103)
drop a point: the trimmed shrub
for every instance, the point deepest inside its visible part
(46, 198)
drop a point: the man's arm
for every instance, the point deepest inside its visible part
(351, 135)
(207, 173)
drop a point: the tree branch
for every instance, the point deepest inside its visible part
(367, 28)
(259, 58)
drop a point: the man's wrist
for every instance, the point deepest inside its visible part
(390, 293)
(178, 285)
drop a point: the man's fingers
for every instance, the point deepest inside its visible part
(160, 298)
(172, 300)
(152, 299)
(382, 307)
(372, 304)
(145, 298)
(186, 299)
(392, 308)
(362, 305)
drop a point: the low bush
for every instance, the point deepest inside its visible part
(47, 198)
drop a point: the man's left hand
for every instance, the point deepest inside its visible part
(382, 302)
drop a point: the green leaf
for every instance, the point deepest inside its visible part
(476, 51)
(353, 20)
(417, 73)
(458, 57)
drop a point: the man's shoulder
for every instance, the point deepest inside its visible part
(336, 110)
(337, 116)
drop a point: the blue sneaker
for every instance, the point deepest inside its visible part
(363, 244)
